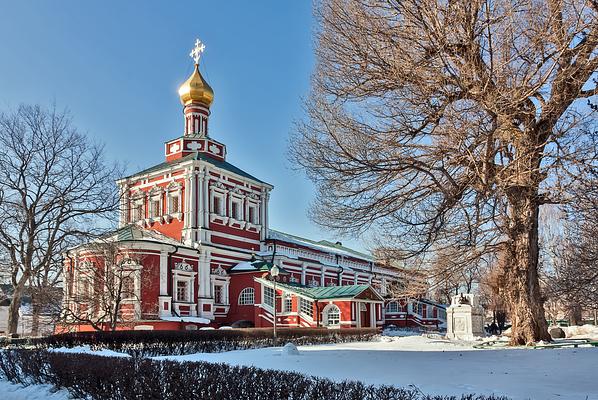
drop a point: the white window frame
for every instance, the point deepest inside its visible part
(239, 206)
(178, 275)
(247, 297)
(255, 207)
(303, 307)
(187, 285)
(137, 204)
(334, 310)
(267, 296)
(287, 303)
(174, 190)
(156, 196)
(392, 307)
(221, 196)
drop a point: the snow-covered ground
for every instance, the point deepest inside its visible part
(429, 362)
(11, 391)
(436, 366)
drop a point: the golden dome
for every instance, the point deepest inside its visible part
(196, 90)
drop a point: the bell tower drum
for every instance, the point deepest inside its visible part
(196, 96)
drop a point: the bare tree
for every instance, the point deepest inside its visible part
(105, 286)
(451, 122)
(573, 281)
(54, 186)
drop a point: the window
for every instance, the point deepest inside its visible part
(333, 316)
(392, 307)
(247, 296)
(182, 291)
(128, 287)
(235, 208)
(175, 205)
(429, 311)
(420, 309)
(217, 205)
(363, 307)
(306, 307)
(86, 287)
(218, 294)
(156, 212)
(288, 303)
(269, 296)
(252, 214)
(138, 212)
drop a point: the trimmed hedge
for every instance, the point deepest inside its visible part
(156, 343)
(123, 378)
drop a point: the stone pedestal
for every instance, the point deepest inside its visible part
(465, 318)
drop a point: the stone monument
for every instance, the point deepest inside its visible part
(465, 318)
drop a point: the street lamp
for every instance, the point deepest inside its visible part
(274, 272)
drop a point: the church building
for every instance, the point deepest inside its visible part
(194, 249)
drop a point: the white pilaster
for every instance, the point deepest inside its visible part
(163, 273)
(200, 201)
(206, 197)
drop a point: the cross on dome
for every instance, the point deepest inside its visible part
(197, 50)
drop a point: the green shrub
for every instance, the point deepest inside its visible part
(123, 378)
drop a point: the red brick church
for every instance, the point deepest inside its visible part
(194, 249)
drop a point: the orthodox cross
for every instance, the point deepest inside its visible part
(197, 50)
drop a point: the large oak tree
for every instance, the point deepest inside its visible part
(449, 124)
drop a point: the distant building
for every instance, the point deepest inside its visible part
(199, 228)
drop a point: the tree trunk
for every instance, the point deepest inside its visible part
(13, 311)
(521, 283)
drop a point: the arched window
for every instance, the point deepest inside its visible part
(332, 315)
(247, 296)
(392, 307)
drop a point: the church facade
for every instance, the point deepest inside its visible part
(194, 249)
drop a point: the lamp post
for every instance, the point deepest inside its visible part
(274, 272)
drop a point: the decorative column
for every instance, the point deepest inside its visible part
(189, 207)
(303, 267)
(205, 300)
(124, 217)
(200, 201)
(206, 197)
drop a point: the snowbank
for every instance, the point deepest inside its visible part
(12, 391)
(88, 350)
(579, 332)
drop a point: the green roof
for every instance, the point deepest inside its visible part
(328, 292)
(125, 233)
(199, 156)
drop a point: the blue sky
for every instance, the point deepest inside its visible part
(117, 66)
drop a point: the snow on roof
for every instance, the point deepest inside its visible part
(322, 245)
(243, 266)
(198, 320)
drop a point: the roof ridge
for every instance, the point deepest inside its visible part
(328, 243)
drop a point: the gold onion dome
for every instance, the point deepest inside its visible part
(196, 90)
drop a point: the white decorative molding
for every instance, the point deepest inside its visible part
(220, 271)
(183, 266)
(214, 149)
